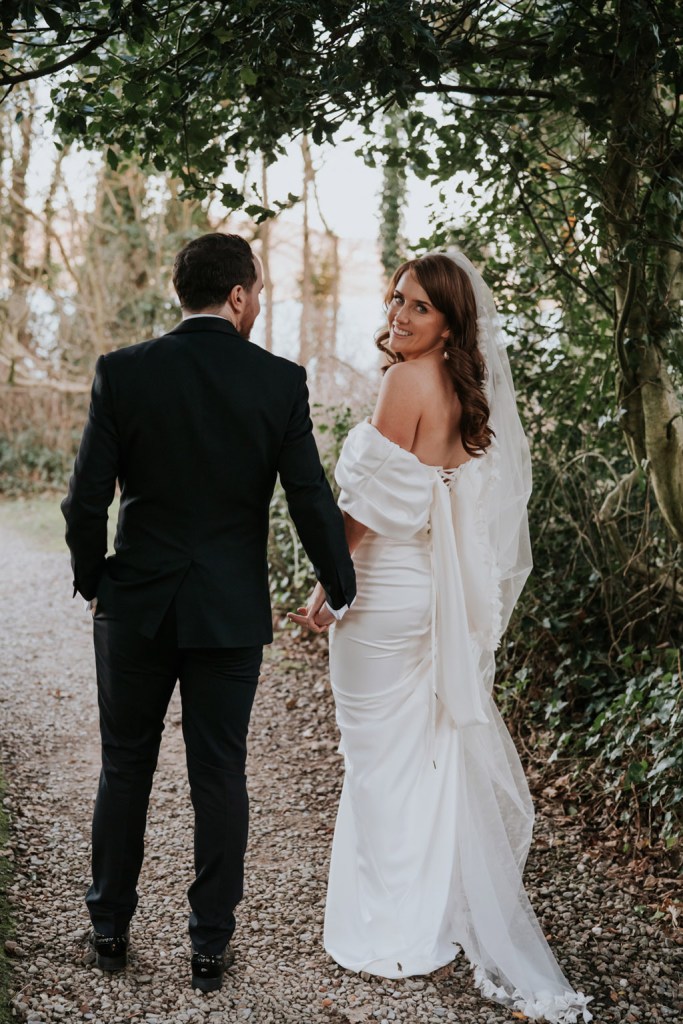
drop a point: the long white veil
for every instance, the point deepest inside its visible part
(510, 486)
(500, 933)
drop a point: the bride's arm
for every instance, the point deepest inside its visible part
(315, 612)
(396, 416)
(354, 530)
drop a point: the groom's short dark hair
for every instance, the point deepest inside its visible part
(207, 269)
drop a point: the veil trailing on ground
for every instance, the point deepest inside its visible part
(498, 928)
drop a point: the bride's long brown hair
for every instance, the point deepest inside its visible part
(450, 291)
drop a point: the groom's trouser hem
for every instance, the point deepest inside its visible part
(136, 678)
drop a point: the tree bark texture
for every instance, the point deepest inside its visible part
(19, 273)
(306, 340)
(265, 235)
(647, 280)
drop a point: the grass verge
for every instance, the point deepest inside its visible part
(5, 921)
(39, 521)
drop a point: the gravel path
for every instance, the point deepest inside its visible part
(594, 915)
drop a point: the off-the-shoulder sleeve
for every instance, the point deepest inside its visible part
(382, 485)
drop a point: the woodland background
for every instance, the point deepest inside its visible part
(551, 136)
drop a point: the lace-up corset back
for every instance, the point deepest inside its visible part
(449, 476)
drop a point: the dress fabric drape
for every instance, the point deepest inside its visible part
(435, 817)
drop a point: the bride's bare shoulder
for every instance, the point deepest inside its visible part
(401, 402)
(414, 373)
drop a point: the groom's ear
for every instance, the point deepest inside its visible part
(236, 297)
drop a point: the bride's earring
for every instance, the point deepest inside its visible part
(445, 354)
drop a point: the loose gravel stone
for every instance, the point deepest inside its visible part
(590, 909)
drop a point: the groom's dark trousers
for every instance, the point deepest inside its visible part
(136, 677)
(195, 426)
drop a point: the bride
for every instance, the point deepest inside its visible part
(435, 817)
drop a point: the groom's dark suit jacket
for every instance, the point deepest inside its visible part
(195, 426)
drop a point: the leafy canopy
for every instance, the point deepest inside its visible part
(191, 87)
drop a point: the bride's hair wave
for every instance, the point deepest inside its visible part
(451, 293)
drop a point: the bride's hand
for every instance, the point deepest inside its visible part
(315, 616)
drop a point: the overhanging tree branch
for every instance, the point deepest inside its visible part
(51, 69)
(477, 90)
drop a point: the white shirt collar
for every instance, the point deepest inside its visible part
(193, 316)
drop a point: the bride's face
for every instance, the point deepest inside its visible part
(416, 328)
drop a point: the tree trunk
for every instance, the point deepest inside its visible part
(652, 417)
(49, 214)
(19, 273)
(393, 196)
(306, 326)
(327, 291)
(336, 276)
(4, 213)
(265, 262)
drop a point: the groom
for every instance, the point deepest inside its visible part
(195, 426)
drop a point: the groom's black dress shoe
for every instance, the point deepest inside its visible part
(111, 953)
(208, 969)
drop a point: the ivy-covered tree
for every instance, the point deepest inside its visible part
(393, 196)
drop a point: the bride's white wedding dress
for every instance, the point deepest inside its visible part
(435, 817)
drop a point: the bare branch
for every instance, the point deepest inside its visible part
(68, 387)
(612, 503)
(476, 90)
(49, 231)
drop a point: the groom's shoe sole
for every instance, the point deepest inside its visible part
(207, 984)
